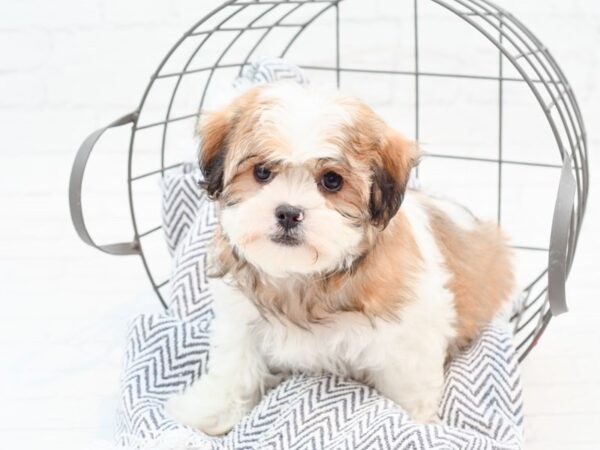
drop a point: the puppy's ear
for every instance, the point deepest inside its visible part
(214, 129)
(397, 156)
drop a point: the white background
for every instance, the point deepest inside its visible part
(68, 67)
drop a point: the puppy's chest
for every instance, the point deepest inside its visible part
(343, 346)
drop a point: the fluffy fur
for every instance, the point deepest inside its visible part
(375, 282)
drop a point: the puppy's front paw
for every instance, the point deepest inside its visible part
(423, 407)
(208, 405)
(424, 413)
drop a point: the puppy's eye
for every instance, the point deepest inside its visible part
(332, 181)
(262, 174)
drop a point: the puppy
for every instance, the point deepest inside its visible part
(323, 261)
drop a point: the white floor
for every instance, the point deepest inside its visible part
(66, 306)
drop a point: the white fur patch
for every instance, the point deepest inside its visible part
(305, 119)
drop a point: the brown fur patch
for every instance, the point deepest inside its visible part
(351, 199)
(242, 183)
(384, 278)
(386, 154)
(218, 130)
(479, 261)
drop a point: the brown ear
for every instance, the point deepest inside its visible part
(397, 156)
(214, 130)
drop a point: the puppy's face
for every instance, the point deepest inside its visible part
(304, 181)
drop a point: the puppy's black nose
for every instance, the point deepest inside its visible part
(289, 216)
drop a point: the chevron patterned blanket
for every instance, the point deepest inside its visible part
(481, 407)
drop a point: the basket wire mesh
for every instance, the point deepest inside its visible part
(240, 29)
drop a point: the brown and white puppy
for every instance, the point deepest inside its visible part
(324, 262)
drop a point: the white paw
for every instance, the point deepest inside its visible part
(424, 413)
(208, 405)
(423, 407)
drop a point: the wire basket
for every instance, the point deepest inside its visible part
(488, 103)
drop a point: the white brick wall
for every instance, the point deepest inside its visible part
(68, 67)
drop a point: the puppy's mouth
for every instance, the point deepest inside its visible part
(286, 238)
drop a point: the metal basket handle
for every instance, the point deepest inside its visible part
(559, 239)
(75, 183)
